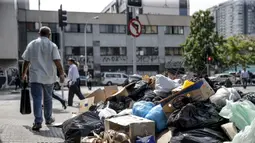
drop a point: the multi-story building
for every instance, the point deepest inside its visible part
(109, 48)
(235, 17)
(168, 7)
(9, 40)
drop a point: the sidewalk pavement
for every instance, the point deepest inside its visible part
(16, 128)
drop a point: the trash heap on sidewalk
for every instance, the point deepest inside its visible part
(144, 111)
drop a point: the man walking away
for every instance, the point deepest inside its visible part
(244, 77)
(43, 57)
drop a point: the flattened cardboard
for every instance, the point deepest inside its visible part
(85, 104)
(110, 91)
(200, 91)
(98, 95)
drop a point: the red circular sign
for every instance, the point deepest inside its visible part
(136, 24)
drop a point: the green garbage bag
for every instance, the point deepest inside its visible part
(247, 135)
(241, 113)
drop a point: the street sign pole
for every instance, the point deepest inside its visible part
(62, 56)
(134, 45)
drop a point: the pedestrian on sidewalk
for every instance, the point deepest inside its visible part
(57, 97)
(73, 83)
(43, 57)
(17, 82)
(244, 77)
(89, 79)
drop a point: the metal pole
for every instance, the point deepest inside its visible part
(85, 45)
(62, 56)
(134, 46)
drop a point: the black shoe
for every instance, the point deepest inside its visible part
(36, 127)
(49, 122)
(64, 105)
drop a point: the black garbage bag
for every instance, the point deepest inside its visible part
(119, 103)
(160, 96)
(204, 135)
(81, 126)
(96, 107)
(196, 115)
(249, 96)
(149, 95)
(138, 91)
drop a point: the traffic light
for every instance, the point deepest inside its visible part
(62, 18)
(129, 17)
(135, 3)
(209, 59)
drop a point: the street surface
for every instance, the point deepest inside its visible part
(16, 128)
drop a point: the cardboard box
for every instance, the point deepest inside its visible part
(100, 95)
(200, 91)
(131, 125)
(230, 130)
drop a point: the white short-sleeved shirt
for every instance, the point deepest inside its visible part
(73, 73)
(40, 53)
(245, 74)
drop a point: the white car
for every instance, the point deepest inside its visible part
(113, 78)
(223, 77)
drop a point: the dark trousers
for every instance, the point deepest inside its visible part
(245, 80)
(62, 101)
(74, 89)
(89, 85)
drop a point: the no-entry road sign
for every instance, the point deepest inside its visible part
(135, 27)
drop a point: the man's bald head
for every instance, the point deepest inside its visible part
(45, 31)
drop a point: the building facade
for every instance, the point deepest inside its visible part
(109, 48)
(9, 41)
(235, 17)
(168, 7)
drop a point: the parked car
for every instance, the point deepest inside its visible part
(114, 78)
(133, 78)
(57, 85)
(221, 78)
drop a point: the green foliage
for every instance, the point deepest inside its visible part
(202, 35)
(238, 50)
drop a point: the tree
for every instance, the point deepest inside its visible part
(238, 50)
(202, 36)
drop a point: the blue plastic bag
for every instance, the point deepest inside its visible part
(142, 108)
(158, 116)
(148, 139)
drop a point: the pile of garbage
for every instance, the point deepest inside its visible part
(141, 112)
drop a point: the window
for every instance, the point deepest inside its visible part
(174, 30)
(31, 26)
(107, 28)
(52, 26)
(78, 51)
(78, 28)
(148, 29)
(147, 51)
(113, 51)
(173, 51)
(125, 76)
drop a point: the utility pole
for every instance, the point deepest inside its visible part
(132, 5)
(62, 21)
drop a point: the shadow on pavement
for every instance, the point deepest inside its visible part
(59, 111)
(53, 132)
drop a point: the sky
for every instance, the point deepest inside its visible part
(98, 5)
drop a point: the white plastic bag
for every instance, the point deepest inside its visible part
(241, 113)
(247, 135)
(223, 94)
(164, 84)
(107, 112)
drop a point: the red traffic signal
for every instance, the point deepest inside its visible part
(209, 58)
